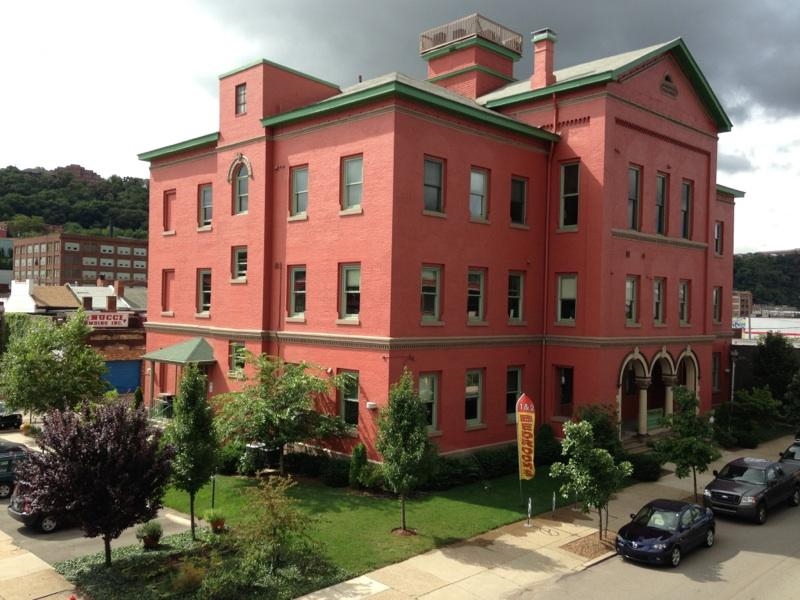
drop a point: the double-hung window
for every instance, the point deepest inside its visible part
(430, 293)
(659, 287)
(515, 288)
(565, 377)
(204, 199)
(473, 396)
(433, 186)
(718, 237)
(519, 194)
(568, 214)
(513, 390)
(428, 395)
(684, 290)
(348, 397)
(661, 204)
(634, 197)
(350, 294)
(168, 210)
(352, 182)
(299, 201)
(631, 300)
(239, 262)
(567, 298)
(167, 290)
(478, 193)
(476, 287)
(716, 304)
(236, 357)
(241, 99)
(686, 209)
(241, 187)
(297, 291)
(203, 290)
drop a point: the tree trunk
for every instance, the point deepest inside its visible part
(402, 512)
(600, 514)
(191, 513)
(107, 547)
(280, 461)
(694, 474)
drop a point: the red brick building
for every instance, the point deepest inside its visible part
(562, 236)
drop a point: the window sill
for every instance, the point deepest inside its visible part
(477, 323)
(353, 210)
(565, 323)
(685, 325)
(434, 213)
(202, 315)
(238, 280)
(522, 226)
(431, 323)
(303, 216)
(567, 229)
(348, 321)
(659, 324)
(480, 220)
(434, 433)
(296, 319)
(167, 313)
(236, 375)
(242, 212)
(516, 323)
(475, 426)
(633, 325)
(203, 228)
(168, 233)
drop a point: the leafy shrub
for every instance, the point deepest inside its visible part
(372, 477)
(603, 419)
(229, 456)
(188, 579)
(336, 473)
(305, 463)
(738, 423)
(151, 529)
(495, 462)
(646, 466)
(547, 449)
(453, 471)
(358, 460)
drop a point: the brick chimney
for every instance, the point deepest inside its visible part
(119, 288)
(544, 50)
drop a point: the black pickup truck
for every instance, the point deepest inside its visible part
(749, 487)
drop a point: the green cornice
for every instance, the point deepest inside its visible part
(397, 88)
(730, 191)
(264, 61)
(682, 56)
(198, 142)
(480, 68)
(473, 41)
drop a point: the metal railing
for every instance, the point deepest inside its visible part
(473, 25)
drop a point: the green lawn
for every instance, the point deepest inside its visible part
(356, 527)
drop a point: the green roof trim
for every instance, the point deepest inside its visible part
(194, 350)
(198, 142)
(678, 50)
(264, 61)
(730, 191)
(468, 43)
(397, 88)
(480, 68)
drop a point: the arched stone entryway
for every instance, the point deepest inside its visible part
(633, 380)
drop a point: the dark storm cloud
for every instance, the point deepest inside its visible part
(734, 163)
(749, 51)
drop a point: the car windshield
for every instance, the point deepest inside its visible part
(743, 473)
(792, 452)
(659, 518)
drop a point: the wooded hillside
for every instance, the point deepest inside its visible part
(774, 278)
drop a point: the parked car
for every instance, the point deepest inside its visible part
(664, 530)
(20, 509)
(10, 455)
(9, 420)
(792, 454)
(750, 487)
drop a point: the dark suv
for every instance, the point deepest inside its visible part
(21, 510)
(10, 455)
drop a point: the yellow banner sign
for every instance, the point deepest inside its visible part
(526, 423)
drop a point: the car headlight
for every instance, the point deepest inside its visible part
(659, 546)
(748, 500)
(707, 493)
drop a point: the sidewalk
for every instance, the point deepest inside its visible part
(514, 559)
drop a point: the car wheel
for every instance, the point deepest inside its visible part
(710, 536)
(794, 499)
(675, 556)
(5, 490)
(761, 514)
(48, 524)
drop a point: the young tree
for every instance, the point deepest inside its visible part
(278, 407)
(774, 364)
(106, 463)
(589, 474)
(791, 404)
(191, 433)
(689, 444)
(51, 366)
(403, 441)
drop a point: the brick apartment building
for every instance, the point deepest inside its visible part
(562, 235)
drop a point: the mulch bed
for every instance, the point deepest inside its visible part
(590, 546)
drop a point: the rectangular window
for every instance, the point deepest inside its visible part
(124, 250)
(105, 249)
(350, 296)
(352, 182)
(241, 99)
(203, 290)
(429, 396)
(299, 191)
(564, 391)
(140, 264)
(519, 195)
(718, 237)
(297, 291)
(569, 195)
(430, 293)
(239, 262)
(476, 282)
(140, 251)
(515, 287)
(478, 190)
(473, 394)
(631, 300)
(236, 357)
(167, 289)
(241, 189)
(634, 194)
(433, 185)
(686, 209)
(123, 263)
(567, 298)
(348, 398)
(168, 208)
(715, 366)
(661, 204)
(513, 389)
(659, 287)
(204, 205)
(716, 304)
(684, 290)
(106, 262)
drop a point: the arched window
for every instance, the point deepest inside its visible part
(240, 188)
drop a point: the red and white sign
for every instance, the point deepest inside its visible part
(526, 423)
(99, 320)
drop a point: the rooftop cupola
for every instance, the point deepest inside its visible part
(471, 56)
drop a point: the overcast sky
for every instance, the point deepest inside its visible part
(95, 82)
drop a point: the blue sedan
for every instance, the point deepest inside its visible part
(664, 530)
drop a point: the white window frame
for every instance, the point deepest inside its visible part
(346, 397)
(240, 99)
(239, 262)
(204, 291)
(479, 193)
(634, 197)
(659, 296)
(205, 199)
(518, 197)
(348, 287)
(295, 293)
(662, 187)
(431, 287)
(719, 230)
(716, 304)
(476, 276)
(473, 390)
(236, 357)
(299, 200)
(569, 196)
(631, 300)
(516, 297)
(684, 300)
(513, 394)
(241, 189)
(565, 294)
(687, 194)
(433, 185)
(428, 387)
(352, 182)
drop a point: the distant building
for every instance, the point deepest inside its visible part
(60, 258)
(741, 304)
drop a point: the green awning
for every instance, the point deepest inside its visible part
(195, 350)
